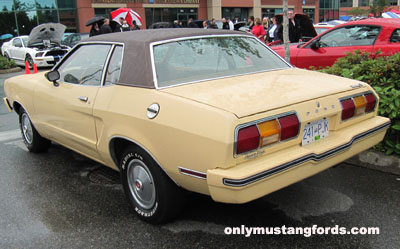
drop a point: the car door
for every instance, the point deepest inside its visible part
(337, 43)
(65, 108)
(388, 42)
(15, 49)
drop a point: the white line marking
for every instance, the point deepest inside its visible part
(10, 135)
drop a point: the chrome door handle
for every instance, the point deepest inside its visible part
(83, 98)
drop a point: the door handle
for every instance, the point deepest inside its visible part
(83, 98)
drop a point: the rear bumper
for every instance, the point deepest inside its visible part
(256, 178)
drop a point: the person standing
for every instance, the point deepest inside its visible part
(231, 25)
(225, 24)
(205, 25)
(294, 28)
(191, 24)
(258, 30)
(213, 24)
(95, 30)
(105, 28)
(272, 33)
(135, 26)
(125, 26)
(251, 22)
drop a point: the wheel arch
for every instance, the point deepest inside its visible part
(118, 143)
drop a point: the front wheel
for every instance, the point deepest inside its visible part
(32, 139)
(154, 197)
(30, 61)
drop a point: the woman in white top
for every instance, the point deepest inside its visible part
(273, 30)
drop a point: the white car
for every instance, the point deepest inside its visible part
(42, 47)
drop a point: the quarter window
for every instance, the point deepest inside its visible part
(114, 67)
(85, 66)
(395, 37)
(350, 36)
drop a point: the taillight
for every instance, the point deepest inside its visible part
(248, 139)
(289, 126)
(357, 105)
(371, 102)
(266, 132)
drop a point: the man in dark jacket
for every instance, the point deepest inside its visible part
(191, 24)
(105, 28)
(294, 29)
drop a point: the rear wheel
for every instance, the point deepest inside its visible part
(32, 139)
(155, 198)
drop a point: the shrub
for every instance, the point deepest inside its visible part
(6, 64)
(383, 74)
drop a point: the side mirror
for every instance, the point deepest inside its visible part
(53, 76)
(315, 44)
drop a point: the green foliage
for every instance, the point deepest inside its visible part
(383, 74)
(357, 11)
(6, 64)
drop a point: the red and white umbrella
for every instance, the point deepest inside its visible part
(128, 14)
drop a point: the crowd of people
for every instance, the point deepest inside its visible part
(272, 30)
(268, 30)
(104, 27)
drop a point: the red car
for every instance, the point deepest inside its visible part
(368, 35)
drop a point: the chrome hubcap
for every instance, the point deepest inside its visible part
(26, 128)
(141, 184)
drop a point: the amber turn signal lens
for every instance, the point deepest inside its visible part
(360, 102)
(269, 132)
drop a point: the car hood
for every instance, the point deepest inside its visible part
(52, 32)
(251, 94)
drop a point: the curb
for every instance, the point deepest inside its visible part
(11, 70)
(376, 160)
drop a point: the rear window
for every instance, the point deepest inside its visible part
(395, 37)
(201, 59)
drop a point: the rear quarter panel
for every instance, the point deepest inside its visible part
(184, 134)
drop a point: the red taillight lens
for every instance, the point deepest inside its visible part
(348, 108)
(289, 126)
(248, 139)
(371, 102)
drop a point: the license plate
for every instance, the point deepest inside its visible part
(315, 131)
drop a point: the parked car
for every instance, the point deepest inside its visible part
(370, 35)
(42, 46)
(74, 38)
(322, 27)
(215, 112)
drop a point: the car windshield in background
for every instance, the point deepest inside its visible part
(199, 59)
(25, 41)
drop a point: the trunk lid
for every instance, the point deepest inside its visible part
(256, 93)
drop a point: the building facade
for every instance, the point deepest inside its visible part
(346, 5)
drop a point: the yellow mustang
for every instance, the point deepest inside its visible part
(211, 111)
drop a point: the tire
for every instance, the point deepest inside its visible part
(32, 139)
(154, 197)
(29, 59)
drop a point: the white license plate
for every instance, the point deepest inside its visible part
(315, 131)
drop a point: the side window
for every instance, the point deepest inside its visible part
(350, 36)
(85, 66)
(114, 67)
(395, 37)
(17, 43)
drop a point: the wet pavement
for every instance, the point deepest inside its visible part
(60, 199)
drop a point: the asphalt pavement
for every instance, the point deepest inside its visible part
(60, 199)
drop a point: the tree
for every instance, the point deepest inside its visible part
(357, 11)
(285, 24)
(377, 7)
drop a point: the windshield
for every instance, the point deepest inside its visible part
(25, 41)
(200, 59)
